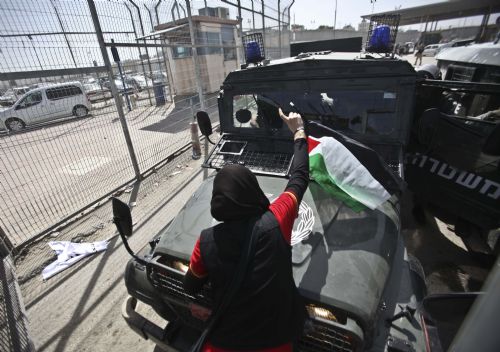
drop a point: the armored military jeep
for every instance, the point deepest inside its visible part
(361, 287)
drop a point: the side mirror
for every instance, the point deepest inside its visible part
(122, 217)
(243, 115)
(204, 123)
(492, 144)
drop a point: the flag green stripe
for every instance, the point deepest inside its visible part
(319, 172)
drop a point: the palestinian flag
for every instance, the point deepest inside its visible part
(349, 170)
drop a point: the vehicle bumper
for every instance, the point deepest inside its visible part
(143, 326)
(173, 338)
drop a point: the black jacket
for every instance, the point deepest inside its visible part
(267, 310)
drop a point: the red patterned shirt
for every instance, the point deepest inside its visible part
(285, 209)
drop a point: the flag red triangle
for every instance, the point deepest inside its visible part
(311, 144)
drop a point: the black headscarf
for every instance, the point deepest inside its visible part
(236, 195)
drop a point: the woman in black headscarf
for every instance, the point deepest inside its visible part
(266, 313)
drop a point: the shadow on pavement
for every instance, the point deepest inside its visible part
(447, 265)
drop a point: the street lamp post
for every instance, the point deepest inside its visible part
(335, 20)
(64, 32)
(36, 54)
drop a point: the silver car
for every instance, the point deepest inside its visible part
(45, 104)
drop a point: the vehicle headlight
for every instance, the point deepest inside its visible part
(320, 312)
(180, 266)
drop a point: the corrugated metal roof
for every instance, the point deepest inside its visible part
(443, 11)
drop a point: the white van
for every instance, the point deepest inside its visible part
(45, 104)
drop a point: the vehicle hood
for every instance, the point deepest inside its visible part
(345, 262)
(8, 97)
(483, 54)
(6, 112)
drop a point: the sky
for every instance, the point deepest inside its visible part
(51, 52)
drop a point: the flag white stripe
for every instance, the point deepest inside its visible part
(349, 174)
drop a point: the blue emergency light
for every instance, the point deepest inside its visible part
(253, 53)
(381, 38)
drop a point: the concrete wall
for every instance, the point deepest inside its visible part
(313, 35)
(213, 71)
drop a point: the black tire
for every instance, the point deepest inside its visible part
(14, 124)
(80, 111)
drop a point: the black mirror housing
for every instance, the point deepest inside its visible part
(122, 217)
(243, 115)
(204, 123)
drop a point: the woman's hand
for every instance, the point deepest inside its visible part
(293, 120)
(294, 123)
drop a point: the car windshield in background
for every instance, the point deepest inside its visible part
(91, 87)
(9, 93)
(365, 111)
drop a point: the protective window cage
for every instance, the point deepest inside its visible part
(253, 45)
(227, 37)
(382, 33)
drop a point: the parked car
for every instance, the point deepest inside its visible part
(159, 77)
(409, 47)
(96, 92)
(46, 104)
(120, 86)
(12, 95)
(454, 44)
(431, 50)
(443, 47)
(139, 82)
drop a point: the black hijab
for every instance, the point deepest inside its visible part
(236, 195)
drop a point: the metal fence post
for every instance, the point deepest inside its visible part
(114, 91)
(240, 30)
(6, 246)
(63, 30)
(253, 17)
(279, 28)
(165, 59)
(197, 71)
(263, 27)
(140, 53)
(144, 40)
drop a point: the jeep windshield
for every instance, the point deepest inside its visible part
(368, 112)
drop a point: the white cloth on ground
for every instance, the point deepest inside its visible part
(68, 253)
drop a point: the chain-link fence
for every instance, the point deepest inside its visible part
(64, 145)
(96, 96)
